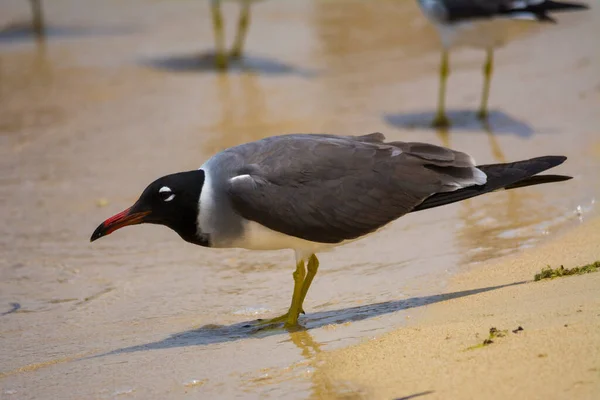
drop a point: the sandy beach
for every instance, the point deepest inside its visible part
(121, 93)
(556, 355)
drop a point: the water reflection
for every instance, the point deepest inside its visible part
(24, 80)
(444, 135)
(321, 386)
(365, 48)
(305, 371)
(306, 343)
(245, 113)
(497, 224)
(367, 34)
(242, 112)
(501, 224)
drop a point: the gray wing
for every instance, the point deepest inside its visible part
(327, 189)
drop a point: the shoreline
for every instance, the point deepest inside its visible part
(545, 341)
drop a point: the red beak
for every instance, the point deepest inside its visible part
(118, 221)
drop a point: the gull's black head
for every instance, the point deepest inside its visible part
(172, 200)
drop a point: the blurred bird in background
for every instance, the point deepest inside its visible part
(481, 24)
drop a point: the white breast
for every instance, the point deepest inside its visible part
(490, 33)
(258, 237)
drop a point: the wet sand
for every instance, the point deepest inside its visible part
(548, 348)
(121, 94)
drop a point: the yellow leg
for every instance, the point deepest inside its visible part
(291, 317)
(220, 55)
(312, 267)
(441, 121)
(488, 68)
(38, 18)
(242, 30)
(296, 306)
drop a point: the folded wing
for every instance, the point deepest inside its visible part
(329, 189)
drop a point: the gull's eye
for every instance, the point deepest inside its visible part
(166, 194)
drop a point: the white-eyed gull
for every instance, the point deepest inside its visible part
(312, 192)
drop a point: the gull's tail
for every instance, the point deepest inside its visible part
(540, 10)
(501, 176)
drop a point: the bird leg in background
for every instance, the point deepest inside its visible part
(441, 121)
(38, 18)
(220, 56)
(312, 267)
(291, 317)
(240, 37)
(488, 68)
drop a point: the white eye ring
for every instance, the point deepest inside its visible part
(166, 189)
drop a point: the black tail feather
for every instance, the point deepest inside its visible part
(501, 176)
(538, 180)
(541, 10)
(550, 5)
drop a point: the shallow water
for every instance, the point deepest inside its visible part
(123, 93)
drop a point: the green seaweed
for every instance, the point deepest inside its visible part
(494, 333)
(551, 273)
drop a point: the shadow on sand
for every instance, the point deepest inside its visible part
(414, 396)
(23, 32)
(498, 122)
(205, 62)
(210, 334)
